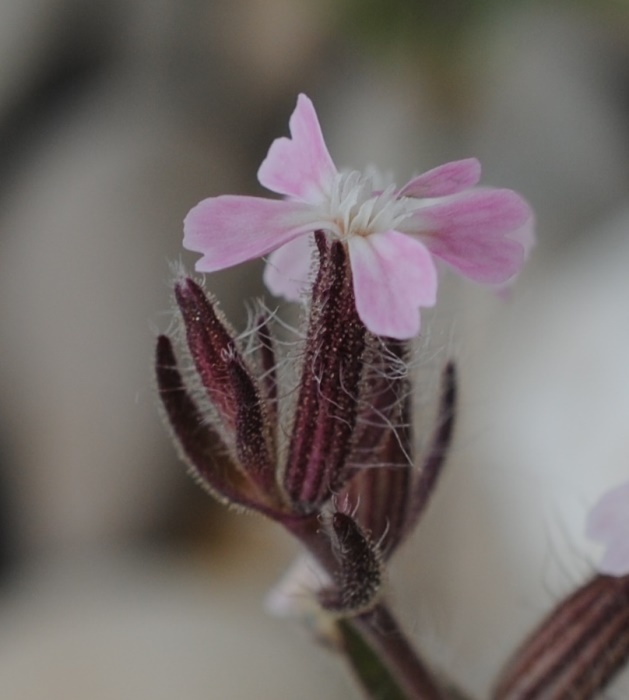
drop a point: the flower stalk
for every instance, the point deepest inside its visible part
(384, 660)
(332, 458)
(345, 484)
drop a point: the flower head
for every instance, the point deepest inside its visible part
(608, 523)
(392, 234)
(330, 458)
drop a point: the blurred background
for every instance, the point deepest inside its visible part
(118, 577)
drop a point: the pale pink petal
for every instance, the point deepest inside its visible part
(449, 178)
(473, 232)
(287, 269)
(610, 515)
(615, 560)
(525, 236)
(299, 166)
(231, 229)
(608, 523)
(393, 276)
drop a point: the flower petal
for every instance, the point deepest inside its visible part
(615, 560)
(393, 275)
(288, 268)
(610, 515)
(299, 166)
(472, 233)
(449, 178)
(525, 236)
(230, 229)
(608, 523)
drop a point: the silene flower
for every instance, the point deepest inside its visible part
(392, 234)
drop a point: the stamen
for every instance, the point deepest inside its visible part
(360, 209)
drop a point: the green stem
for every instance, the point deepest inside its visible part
(386, 664)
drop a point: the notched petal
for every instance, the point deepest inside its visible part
(299, 166)
(231, 229)
(476, 233)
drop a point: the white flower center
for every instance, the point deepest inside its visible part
(358, 208)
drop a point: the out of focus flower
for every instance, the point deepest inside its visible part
(577, 650)
(608, 523)
(391, 233)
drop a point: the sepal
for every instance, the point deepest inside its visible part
(389, 500)
(359, 576)
(211, 346)
(432, 467)
(325, 413)
(201, 447)
(229, 383)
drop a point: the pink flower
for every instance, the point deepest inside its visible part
(392, 234)
(608, 523)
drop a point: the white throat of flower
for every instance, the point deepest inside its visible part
(357, 207)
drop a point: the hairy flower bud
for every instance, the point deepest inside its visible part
(358, 578)
(325, 414)
(201, 446)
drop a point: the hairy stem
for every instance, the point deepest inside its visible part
(379, 652)
(390, 646)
